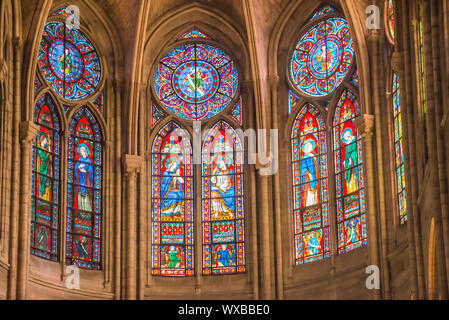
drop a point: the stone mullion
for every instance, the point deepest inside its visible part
(441, 157)
(432, 143)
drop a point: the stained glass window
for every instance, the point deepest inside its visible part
(99, 102)
(85, 185)
(355, 78)
(323, 57)
(310, 190)
(64, 12)
(293, 101)
(223, 209)
(45, 181)
(236, 112)
(196, 81)
(399, 156)
(172, 232)
(390, 19)
(350, 183)
(37, 84)
(192, 35)
(156, 115)
(68, 61)
(323, 11)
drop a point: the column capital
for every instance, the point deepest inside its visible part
(132, 164)
(372, 37)
(397, 61)
(273, 81)
(365, 124)
(28, 131)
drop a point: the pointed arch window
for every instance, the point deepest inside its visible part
(45, 183)
(398, 150)
(68, 65)
(85, 184)
(223, 209)
(350, 183)
(172, 193)
(310, 190)
(322, 66)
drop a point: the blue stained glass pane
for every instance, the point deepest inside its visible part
(196, 81)
(323, 58)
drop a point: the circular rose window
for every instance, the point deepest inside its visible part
(196, 81)
(68, 61)
(323, 58)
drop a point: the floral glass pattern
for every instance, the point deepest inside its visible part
(196, 81)
(323, 58)
(68, 61)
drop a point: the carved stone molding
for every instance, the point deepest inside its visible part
(365, 124)
(397, 61)
(132, 164)
(28, 131)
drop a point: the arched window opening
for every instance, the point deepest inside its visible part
(310, 190)
(350, 183)
(223, 209)
(172, 193)
(85, 185)
(45, 184)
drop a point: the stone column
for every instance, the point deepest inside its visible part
(264, 231)
(274, 82)
(365, 125)
(28, 133)
(131, 166)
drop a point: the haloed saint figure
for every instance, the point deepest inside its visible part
(172, 205)
(351, 161)
(309, 174)
(222, 191)
(44, 165)
(84, 174)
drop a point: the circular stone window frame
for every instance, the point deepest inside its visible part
(179, 43)
(101, 81)
(292, 49)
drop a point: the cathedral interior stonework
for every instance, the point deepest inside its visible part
(224, 149)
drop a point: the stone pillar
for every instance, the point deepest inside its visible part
(28, 133)
(131, 166)
(365, 125)
(274, 82)
(264, 231)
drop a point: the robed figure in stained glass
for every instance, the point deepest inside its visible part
(84, 178)
(223, 201)
(172, 186)
(350, 160)
(172, 190)
(43, 166)
(309, 174)
(223, 256)
(44, 161)
(313, 241)
(173, 258)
